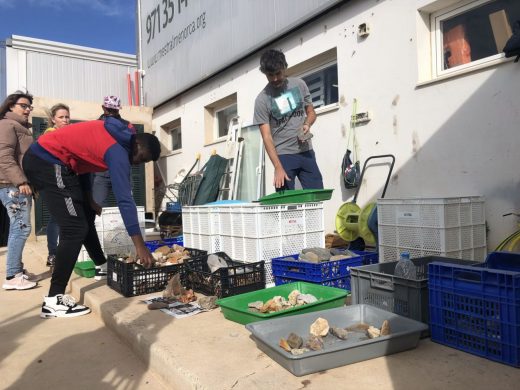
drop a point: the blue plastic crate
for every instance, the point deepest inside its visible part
(153, 245)
(319, 272)
(343, 283)
(476, 310)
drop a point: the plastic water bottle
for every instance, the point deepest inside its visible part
(405, 268)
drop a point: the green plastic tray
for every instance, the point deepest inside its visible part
(235, 308)
(296, 196)
(87, 269)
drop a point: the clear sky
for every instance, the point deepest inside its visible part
(101, 24)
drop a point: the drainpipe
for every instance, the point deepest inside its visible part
(136, 87)
(129, 87)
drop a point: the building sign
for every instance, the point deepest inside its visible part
(183, 42)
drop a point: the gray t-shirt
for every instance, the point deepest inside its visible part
(284, 110)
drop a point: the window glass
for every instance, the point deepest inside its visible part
(176, 135)
(323, 85)
(479, 31)
(223, 118)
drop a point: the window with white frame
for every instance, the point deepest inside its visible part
(471, 33)
(222, 118)
(323, 84)
(174, 131)
(217, 116)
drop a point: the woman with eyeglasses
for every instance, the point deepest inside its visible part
(58, 116)
(15, 192)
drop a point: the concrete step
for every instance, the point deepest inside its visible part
(206, 351)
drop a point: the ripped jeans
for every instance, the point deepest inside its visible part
(18, 208)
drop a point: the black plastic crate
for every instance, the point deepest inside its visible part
(133, 279)
(377, 285)
(237, 278)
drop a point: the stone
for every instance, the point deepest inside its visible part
(385, 328)
(283, 343)
(309, 257)
(320, 327)
(294, 341)
(163, 250)
(322, 253)
(299, 351)
(208, 303)
(373, 332)
(339, 257)
(303, 299)
(360, 327)
(293, 297)
(315, 343)
(340, 333)
(157, 305)
(256, 305)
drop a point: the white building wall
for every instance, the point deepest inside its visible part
(454, 137)
(68, 72)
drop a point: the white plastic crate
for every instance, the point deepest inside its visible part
(450, 227)
(112, 233)
(251, 232)
(431, 212)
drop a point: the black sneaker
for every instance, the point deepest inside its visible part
(51, 260)
(62, 306)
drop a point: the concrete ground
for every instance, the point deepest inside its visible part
(205, 351)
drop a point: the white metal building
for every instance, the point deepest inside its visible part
(79, 77)
(448, 113)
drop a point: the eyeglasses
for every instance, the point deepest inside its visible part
(24, 106)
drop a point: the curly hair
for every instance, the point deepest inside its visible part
(272, 61)
(12, 99)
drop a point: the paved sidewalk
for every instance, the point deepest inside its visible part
(205, 351)
(75, 353)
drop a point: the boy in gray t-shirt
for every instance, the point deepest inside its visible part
(285, 114)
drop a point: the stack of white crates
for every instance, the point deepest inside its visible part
(251, 232)
(112, 233)
(447, 227)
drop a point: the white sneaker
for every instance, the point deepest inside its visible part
(19, 282)
(62, 306)
(101, 272)
(31, 277)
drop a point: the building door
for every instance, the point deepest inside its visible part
(138, 182)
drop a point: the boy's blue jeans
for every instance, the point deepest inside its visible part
(18, 208)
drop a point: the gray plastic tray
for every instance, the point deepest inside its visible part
(404, 335)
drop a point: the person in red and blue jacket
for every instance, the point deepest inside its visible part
(59, 165)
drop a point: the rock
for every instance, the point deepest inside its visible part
(299, 351)
(340, 333)
(303, 299)
(208, 303)
(342, 251)
(361, 327)
(293, 297)
(385, 328)
(294, 341)
(283, 343)
(373, 332)
(163, 250)
(320, 327)
(157, 305)
(315, 343)
(309, 257)
(322, 253)
(256, 305)
(339, 257)
(215, 263)
(174, 287)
